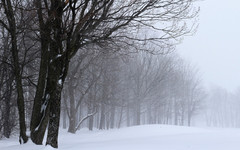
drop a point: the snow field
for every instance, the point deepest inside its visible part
(147, 137)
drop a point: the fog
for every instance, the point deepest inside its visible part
(103, 65)
(215, 45)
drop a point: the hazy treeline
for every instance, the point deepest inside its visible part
(222, 108)
(92, 61)
(116, 91)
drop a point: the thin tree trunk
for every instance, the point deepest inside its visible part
(90, 123)
(120, 119)
(90, 120)
(18, 78)
(138, 113)
(102, 118)
(64, 118)
(175, 112)
(112, 117)
(72, 117)
(6, 124)
(128, 115)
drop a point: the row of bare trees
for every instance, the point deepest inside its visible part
(222, 108)
(131, 90)
(40, 38)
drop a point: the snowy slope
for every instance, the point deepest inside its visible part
(148, 137)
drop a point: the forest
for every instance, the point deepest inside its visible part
(101, 64)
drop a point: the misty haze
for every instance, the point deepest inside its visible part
(119, 75)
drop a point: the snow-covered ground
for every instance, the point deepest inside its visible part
(147, 137)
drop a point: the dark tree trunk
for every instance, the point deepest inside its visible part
(18, 78)
(56, 78)
(54, 71)
(40, 121)
(6, 124)
(40, 111)
(57, 72)
(54, 117)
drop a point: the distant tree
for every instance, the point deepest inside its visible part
(78, 85)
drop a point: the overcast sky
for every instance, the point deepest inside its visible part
(215, 48)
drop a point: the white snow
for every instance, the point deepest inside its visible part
(59, 55)
(60, 82)
(147, 137)
(43, 109)
(44, 106)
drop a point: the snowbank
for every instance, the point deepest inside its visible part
(148, 137)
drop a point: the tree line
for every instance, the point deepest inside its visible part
(98, 54)
(119, 91)
(226, 112)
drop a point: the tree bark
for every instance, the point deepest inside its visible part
(18, 78)
(54, 117)
(40, 112)
(72, 118)
(6, 124)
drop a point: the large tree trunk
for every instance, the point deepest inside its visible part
(54, 71)
(57, 72)
(56, 78)
(40, 111)
(40, 121)
(54, 116)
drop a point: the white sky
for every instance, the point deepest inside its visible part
(215, 48)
